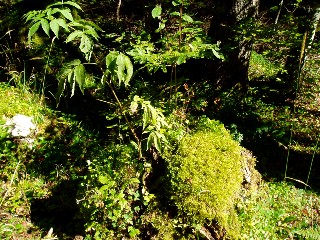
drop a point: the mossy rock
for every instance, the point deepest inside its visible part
(206, 175)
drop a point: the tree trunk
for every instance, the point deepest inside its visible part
(236, 42)
(298, 55)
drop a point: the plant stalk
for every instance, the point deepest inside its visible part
(126, 119)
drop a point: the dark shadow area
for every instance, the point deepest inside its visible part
(59, 211)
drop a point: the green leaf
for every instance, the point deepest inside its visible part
(111, 59)
(155, 140)
(103, 179)
(74, 62)
(72, 36)
(216, 54)
(61, 87)
(175, 13)
(162, 25)
(62, 23)
(80, 76)
(70, 76)
(176, 3)
(34, 28)
(65, 3)
(187, 18)
(85, 44)
(133, 232)
(28, 16)
(73, 4)
(181, 59)
(145, 117)
(125, 69)
(92, 32)
(92, 24)
(156, 12)
(45, 26)
(66, 13)
(73, 84)
(54, 25)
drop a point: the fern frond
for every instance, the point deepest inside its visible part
(309, 233)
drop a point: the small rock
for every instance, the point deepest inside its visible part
(20, 126)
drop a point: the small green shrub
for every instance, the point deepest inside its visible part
(205, 176)
(111, 199)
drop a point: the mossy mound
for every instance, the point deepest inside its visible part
(206, 175)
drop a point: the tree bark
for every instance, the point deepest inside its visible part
(228, 16)
(298, 54)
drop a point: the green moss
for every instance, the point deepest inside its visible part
(18, 101)
(206, 177)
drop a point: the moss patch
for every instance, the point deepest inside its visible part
(206, 176)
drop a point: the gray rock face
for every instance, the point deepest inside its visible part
(21, 127)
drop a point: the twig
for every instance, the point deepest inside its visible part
(280, 7)
(118, 10)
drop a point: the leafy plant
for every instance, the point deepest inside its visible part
(188, 42)
(153, 123)
(59, 15)
(73, 72)
(110, 198)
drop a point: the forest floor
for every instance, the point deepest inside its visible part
(38, 188)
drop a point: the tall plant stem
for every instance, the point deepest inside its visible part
(170, 89)
(313, 155)
(301, 65)
(180, 25)
(46, 68)
(118, 10)
(278, 15)
(126, 119)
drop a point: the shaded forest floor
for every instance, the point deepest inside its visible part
(39, 187)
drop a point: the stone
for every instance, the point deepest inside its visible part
(20, 126)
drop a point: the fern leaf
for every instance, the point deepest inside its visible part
(309, 233)
(34, 28)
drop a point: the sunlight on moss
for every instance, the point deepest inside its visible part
(261, 67)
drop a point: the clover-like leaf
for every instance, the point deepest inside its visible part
(156, 12)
